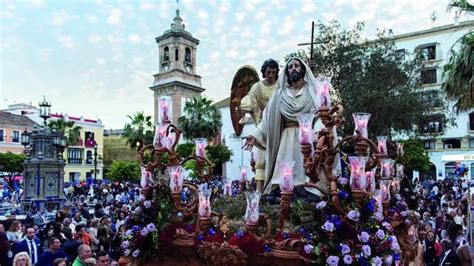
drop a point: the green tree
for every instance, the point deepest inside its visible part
(139, 131)
(218, 154)
(201, 119)
(68, 129)
(415, 156)
(185, 149)
(124, 171)
(458, 78)
(368, 77)
(11, 163)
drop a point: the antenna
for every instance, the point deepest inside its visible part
(177, 4)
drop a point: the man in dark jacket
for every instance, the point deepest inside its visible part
(71, 245)
(53, 252)
(30, 245)
(449, 256)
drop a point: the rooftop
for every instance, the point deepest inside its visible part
(17, 120)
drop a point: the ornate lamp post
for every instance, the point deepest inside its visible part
(44, 164)
(45, 110)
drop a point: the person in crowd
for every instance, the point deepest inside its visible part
(60, 262)
(22, 259)
(5, 252)
(52, 253)
(448, 256)
(84, 256)
(103, 258)
(71, 245)
(429, 255)
(30, 245)
(82, 235)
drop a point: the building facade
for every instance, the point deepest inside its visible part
(177, 76)
(11, 127)
(80, 157)
(446, 145)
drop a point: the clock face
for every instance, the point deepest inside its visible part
(166, 67)
(188, 68)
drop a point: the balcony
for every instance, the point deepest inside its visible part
(74, 161)
(90, 143)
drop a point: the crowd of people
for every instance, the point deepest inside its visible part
(85, 231)
(442, 235)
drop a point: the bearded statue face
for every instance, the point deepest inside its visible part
(295, 71)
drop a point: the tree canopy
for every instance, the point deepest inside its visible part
(68, 129)
(139, 131)
(369, 76)
(124, 171)
(201, 119)
(11, 163)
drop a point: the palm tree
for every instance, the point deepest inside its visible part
(201, 119)
(139, 131)
(68, 129)
(459, 82)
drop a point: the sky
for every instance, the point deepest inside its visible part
(97, 58)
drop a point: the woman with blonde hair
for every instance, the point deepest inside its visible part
(22, 259)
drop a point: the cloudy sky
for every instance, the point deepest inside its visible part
(97, 58)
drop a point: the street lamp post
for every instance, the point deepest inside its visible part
(95, 161)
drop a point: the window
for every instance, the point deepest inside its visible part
(449, 169)
(176, 55)
(2, 137)
(452, 143)
(429, 144)
(166, 54)
(187, 55)
(400, 55)
(471, 121)
(472, 170)
(15, 136)
(431, 125)
(428, 52)
(432, 99)
(90, 141)
(74, 156)
(428, 76)
(471, 143)
(89, 157)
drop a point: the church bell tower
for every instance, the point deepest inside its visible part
(177, 75)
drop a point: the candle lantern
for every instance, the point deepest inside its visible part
(382, 145)
(361, 120)
(286, 176)
(201, 144)
(385, 190)
(371, 180)
(305, 122)
(176, 179)
(386, 170)
(323, 86)
(252, 211)
(400, 169)
(204, 209)
(165, 105)
(358, 179)
(160, 135)
(400, 151)
(228, 187)
(243, 174)
(145, 179)
(286, 187)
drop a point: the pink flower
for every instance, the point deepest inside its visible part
(308, 248)
(347, 259)
(363, 237)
